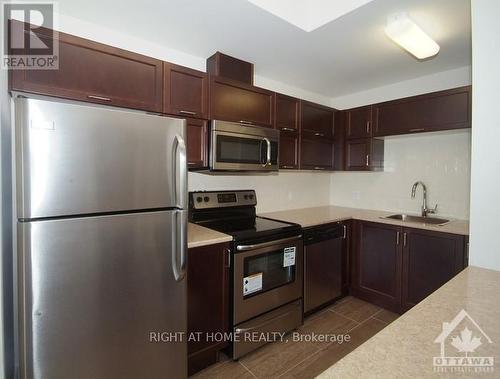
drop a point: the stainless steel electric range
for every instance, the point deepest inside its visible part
(266, 266)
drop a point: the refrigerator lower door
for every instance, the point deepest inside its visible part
(76, 159)
(103, 297)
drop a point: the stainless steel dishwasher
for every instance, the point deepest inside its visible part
(324, 247)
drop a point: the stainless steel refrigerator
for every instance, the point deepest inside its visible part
(101, 242)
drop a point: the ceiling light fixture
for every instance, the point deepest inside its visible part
(402, 30)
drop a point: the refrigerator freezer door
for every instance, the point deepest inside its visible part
(96, 293)
(76, 159)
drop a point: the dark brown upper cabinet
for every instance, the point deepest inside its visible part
(97, 73)
(230, 100)
(185, 91)
(364, 154)
(317, 120)
(316, 154)
(444, 110)
(359, 122)
(231, 68)
(430, 259)
(197, 143)
(287, 121)
(339, 139)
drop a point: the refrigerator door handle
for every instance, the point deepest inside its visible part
(179, 170)
(179, 249)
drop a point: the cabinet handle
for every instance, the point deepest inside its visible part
(289, 129)
(368, 127)
(367, 160)
(404, 239)
(228, 260)
(287, 167)
(319, 134)
(417, 130)
(246, 122)
(188, 113)
(319, 168)
(102, 98)
(398, 234)
(345, 232)
(192, 163)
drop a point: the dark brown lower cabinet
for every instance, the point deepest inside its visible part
(197, 143)
(208, 303)
(377, 262)
(396, 267)
(430, 259)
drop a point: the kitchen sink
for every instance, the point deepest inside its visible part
(421, 219)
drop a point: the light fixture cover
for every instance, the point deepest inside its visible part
(402, 30)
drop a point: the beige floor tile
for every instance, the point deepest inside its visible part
(355, 309)
(325, 358)
(274, 359)
(386, 316)
(224, 370)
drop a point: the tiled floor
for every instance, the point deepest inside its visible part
(305, 359)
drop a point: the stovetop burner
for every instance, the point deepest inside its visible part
(233, 213)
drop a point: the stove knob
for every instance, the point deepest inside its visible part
(245, 197)
(199, 199)
(251, 197)
(206, 199)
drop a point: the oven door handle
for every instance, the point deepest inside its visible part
(267, 244)
(245, 330)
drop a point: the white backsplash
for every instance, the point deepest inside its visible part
(440, 160)
(275, 192)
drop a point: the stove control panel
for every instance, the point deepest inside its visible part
(221, 199)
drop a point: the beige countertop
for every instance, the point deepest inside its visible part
(407, 347)
(201, 236)
(307, 217)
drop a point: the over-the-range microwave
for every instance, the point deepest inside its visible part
(237, 147)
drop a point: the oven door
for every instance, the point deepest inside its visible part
(243, 152)
(266, 276)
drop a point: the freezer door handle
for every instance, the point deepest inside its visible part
(179, 248)
(179, 170)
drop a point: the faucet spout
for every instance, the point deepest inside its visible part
(425, 210)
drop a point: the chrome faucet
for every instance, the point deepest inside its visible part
(425, 210)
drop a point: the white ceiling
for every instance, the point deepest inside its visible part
(344, 56)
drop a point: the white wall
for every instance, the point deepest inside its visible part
(424, 84)
(440, 160)
(485, 206)
(286, 190)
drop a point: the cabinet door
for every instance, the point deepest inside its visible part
(378, 260)
(444, 110)
(317, 119)
(185, 91)
(359, 122)
(316, 154)
(197, 143)
(364, 154)
(287, 121)
(208, 299)
(93, 72)
(430, 259)
(238, 102)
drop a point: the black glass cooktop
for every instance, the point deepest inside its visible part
(252, 228)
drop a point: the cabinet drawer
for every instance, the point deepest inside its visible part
(93, 72)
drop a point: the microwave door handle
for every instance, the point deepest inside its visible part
(179, 172)
(268, 152)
